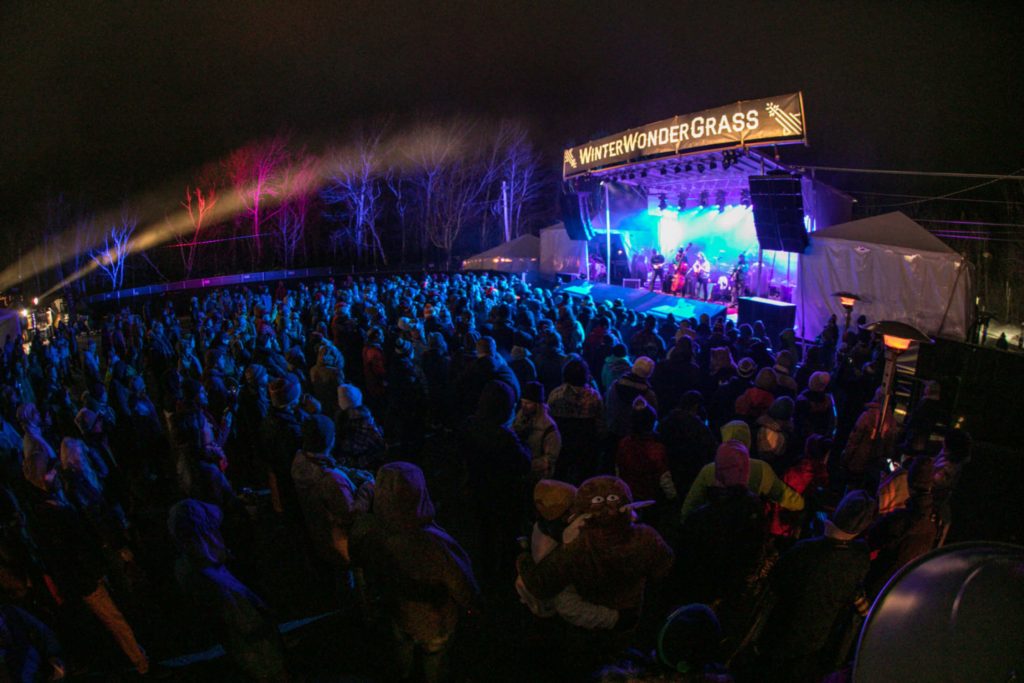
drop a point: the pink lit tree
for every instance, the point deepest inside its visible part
(197, 205)
(252, 170)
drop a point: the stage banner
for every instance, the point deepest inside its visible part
(749, 122)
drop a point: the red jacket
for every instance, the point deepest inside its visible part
(641, 462)
(800, 477)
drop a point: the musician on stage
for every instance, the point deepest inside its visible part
(680, 268)
(739, 278)
(701, 270)
(657, 270)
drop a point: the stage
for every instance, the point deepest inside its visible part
(645, 301)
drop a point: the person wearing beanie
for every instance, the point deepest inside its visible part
(775, 432)
(619, 398)
(808, 477)
(815, 408)
(724, 395)
(690, 643)
(578, 410)
(786, 385)
(761, 480)
(646, 342)
(522, 366)
(641, 462)
(328, 494)
(535, 428)
(488, 366)
(724, 538)
(815, 583)
(756, 400)
(616, 364)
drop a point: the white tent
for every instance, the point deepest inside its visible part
(559, 254)
(521, 255)
(900, 270)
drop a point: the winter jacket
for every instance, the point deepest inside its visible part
(360, 441)
(762, 482)
(540, 434)
(69, 551)
(689, 446)
(815, 414)
(803, 477)
(419, 575)
(327, 496)
(619, 399)
(642, 463)
(614, 368)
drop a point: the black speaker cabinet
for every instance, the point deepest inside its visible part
(778, 205)
(576, 216)
(776, 315)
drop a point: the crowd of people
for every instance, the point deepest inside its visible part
(639, 498)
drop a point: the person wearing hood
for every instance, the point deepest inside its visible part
(676, 374)
(71, 558)
(419, 577)
(814, 584)
(722, 405)
(808, 477)
(786, 385)
(689, 443)
(498, 465)
(522, 366)
(327, 374)
(815, 409)
(618, 400)
(535, 428)
(242, 621)
(867, 448)
(359, 438)
(901, 536)
(281, 432)
(775, 433)
(722, 542)
(756, 400)
(641, 462)
(616, 364)
(327, 493)
(761, 481)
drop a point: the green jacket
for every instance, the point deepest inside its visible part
(762, 481)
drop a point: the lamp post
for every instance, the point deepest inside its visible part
(897, 338)
(847, 301)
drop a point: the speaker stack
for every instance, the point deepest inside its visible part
(778, 205)
(576, 215)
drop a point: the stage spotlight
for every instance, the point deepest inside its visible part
(643, 174)
(662, 204)
(714, 164)
(704, 196)
(678, 169)
(664, 170)
(700, 168)
(632, 176)
(720, 200)
(689, 167)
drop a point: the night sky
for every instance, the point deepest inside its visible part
(107, 100)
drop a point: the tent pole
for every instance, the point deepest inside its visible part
(607, 234)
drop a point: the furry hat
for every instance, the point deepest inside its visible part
(746, 368)
(819, 381)
(284, 391)
(603, 498)
(643, 367)
(553, 498)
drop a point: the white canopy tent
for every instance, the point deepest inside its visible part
(559, 254)
(521, 255)
(900, 270)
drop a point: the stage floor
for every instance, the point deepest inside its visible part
(645, 301)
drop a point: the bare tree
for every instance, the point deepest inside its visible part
(523, 172)
(251, 170)
(197, 210)
(297, 186)
(357, 179)
(112, 256)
